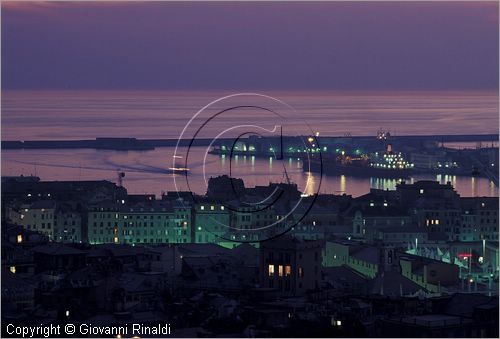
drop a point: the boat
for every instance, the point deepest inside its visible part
(175, 169)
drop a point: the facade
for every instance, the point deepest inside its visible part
(250, 222)
(368, 221)
(68, 225)
(211, 222)
(290, 265)
(409, 193)
(150, 222)
(439, 217)
(103, 222)
(479, 219)
(402, 237)
(37, 216)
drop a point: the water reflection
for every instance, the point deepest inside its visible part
(310, 183)
(145, 172)
(444, 179)
(342, 184)
(384, 183)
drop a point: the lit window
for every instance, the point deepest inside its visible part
(116, 240)
(13, 269)
(421, 191)
(222, 208)
(301, 272)
(437, 221)
(372, 204)
(288, 271)
(280, 270)
(314, 223)
(212, 207)
(271, 270)
(19, 239)
(202, 208)
(385, 204)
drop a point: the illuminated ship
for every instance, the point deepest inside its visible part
(384, 165)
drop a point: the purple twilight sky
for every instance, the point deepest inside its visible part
(289, 46)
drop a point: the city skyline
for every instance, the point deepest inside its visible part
(250, 169)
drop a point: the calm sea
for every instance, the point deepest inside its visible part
(86, 115)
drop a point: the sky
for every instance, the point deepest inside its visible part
(242, 45)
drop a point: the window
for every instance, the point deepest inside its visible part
(271, 270)
(202, 207)
(288, 271)
(421, 191)
(280, 270)
(301, 272)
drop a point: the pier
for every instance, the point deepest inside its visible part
(126, 144)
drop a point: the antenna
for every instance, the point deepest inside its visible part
(281, 143)
(285, 174)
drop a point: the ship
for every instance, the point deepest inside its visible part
(388, 165)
